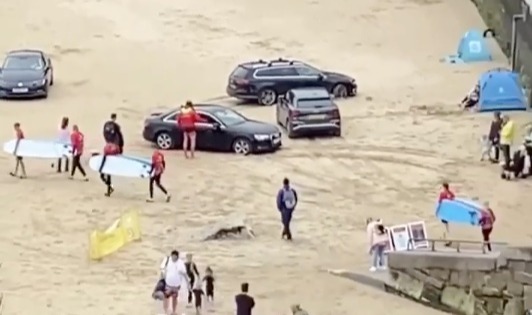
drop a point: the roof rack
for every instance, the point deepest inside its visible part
(280, 60)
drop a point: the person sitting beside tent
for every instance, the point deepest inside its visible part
(471, 99)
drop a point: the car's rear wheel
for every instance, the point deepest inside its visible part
(267, 97)
(340, 90)
(164, 141)
(241, 146)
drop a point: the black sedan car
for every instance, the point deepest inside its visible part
(264, 81)
(26, 73)
(224, 130)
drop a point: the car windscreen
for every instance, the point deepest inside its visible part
(239, 72)
(228, 117)
(315, 102)
(23, 63)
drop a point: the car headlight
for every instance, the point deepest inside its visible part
(261, 137)
(39, 82)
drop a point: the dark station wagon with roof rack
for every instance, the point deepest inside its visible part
(264, 81)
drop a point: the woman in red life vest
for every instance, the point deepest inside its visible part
(446, 193)
(77, 139)
(487, 219)
(158, 164)
(108, 149)
(19, 135)
(186, 120)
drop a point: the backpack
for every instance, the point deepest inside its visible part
(289, 198)
(109, 131)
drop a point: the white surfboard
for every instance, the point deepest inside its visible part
(40, 149)
(120, 165)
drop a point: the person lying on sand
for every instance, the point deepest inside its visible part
(471, 100)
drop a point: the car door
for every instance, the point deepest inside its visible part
(170, 126)
(283, 109)
(282, 78)
(309, 77)
(214, 134)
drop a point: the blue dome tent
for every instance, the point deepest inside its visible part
(472, 48)
(501, 90)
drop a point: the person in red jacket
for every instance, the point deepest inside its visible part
(446, 193)
(186, 120)
(109, 149)
(19, 135)
(487, 219)
(78, 142)
(158, 164)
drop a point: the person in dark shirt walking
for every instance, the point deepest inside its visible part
(209, 284)
(495, 135)
(244, 302)
(286, 204)
(112, 133)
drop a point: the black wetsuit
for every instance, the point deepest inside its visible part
(112, 133)
(209, 287)
(192, 272)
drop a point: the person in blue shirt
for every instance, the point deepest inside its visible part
(286, 204)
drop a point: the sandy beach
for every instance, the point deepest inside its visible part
(402, 137)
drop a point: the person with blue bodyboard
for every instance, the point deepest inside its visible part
(286, 204)
(446, 194)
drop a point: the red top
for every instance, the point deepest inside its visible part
(446, 194)
(187, 119)
(111, 149)
(487, 219)
(19, 134)
(77, 140)
(158, 163)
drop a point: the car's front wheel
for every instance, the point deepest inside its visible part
(242, 146)
(164, 141)
(267, 97)
(340, 91)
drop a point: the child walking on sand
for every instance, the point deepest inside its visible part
(198, 294)
(209, 284)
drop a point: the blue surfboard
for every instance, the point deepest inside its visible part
(460, 211)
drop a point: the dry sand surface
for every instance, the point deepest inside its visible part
(134, 56)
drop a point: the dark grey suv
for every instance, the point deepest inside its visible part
(308, 111)
(264, 81)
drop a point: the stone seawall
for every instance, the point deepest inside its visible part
(464, 283)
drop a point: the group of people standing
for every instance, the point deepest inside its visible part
(500, 138)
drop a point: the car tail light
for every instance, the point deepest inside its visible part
(335, 113)
(294, 113)
(239, 81)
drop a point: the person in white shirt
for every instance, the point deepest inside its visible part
(63, 138)
(174, 272)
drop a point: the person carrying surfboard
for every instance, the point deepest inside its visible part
(112, 133)
(446, 193)
(487, 219)
(63, 138)
(186, 120)
(109, 149)
(158, 164)
(77, 139)
(19, 134)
